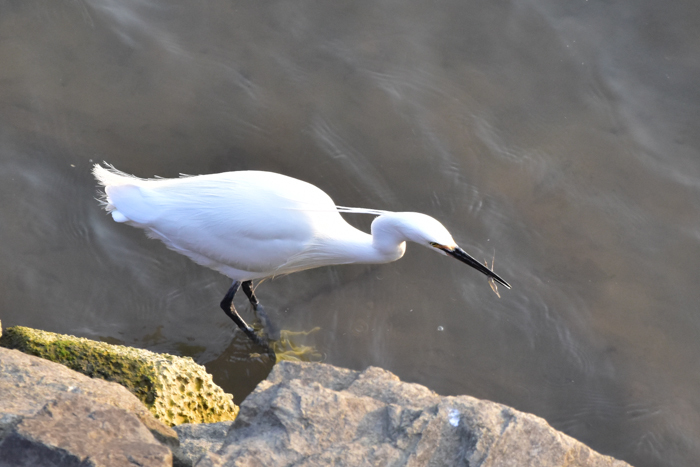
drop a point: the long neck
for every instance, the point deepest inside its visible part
(356, 246)
(345, 246)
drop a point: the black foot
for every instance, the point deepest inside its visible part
(230, 310)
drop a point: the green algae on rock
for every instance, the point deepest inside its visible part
(175, 389)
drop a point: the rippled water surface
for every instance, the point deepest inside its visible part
(561, 137)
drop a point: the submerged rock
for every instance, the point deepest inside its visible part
(316, 415)
(53, 416)
(175, 389)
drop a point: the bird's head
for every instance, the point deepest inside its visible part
(429, 232)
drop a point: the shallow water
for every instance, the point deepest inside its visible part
(560, 137)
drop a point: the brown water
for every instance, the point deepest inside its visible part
(561, 136)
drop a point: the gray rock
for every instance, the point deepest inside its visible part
(210, 460)
(51, 415)
(315, 414)
(197, 439)
(76, 430)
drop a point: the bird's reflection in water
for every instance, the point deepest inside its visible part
(243, 364)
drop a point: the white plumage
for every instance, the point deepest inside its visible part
(251, 225)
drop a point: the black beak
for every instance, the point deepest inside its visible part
(466, 258)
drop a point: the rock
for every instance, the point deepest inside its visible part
(314, 414)
(197, 440)
(210, 460)
(60, 434)
(53, 416)
(175, 389)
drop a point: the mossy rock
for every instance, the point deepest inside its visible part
(175, 389)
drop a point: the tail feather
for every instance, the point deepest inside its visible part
(109, 177)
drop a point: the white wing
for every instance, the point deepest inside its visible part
(235, 222)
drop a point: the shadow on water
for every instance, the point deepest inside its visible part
(239, 368)
(242, 365)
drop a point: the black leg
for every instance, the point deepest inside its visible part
(270, 329)
(248, 290)
(230, 310)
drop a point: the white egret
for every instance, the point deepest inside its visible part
(251, 225)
